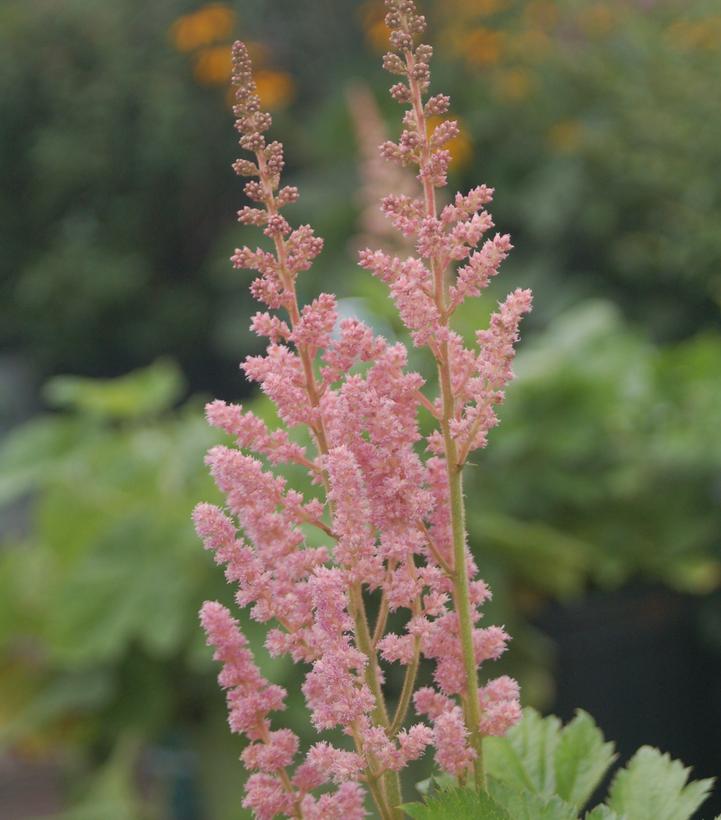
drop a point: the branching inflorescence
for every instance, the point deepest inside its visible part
(390, 503)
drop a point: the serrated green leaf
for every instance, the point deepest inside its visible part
(525, 756)
(603, 813)
(654, 787)
(524, 805)
(457, 804)
(582, 759)
(437, 782)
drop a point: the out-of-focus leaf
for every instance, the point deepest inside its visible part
(112, 793)
(30, 454)
(142, 393)
(71, 694)
(550, 560)
(121, 591)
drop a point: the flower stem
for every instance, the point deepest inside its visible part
(390, 780)
(459, 574)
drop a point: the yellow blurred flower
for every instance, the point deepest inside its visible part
(483, 46)
(275, 88)
(461, 147)
(213, 65)
(210, 24)
(565, 137)
(372, 15)
(513, 84)
(598, 19)
(699, 34)
(530, 45)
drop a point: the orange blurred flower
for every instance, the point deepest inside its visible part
(210, 24)
(213, 65)
(275, 88)
(372, 15)
(483, 46)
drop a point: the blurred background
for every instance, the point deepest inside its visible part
(595, 513)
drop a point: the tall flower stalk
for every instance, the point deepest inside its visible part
(389, 502)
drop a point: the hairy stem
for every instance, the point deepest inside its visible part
(409, 682)
(459, 575)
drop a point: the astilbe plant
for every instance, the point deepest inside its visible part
(391, 500)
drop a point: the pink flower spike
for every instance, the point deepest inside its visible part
(373, 532)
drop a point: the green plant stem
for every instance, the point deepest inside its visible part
(409, 681)
(391, 780)
(459, 574)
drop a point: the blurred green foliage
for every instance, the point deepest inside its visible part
(99, 643)
(611, 449)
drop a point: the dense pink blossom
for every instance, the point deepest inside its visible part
(453, 754)
(344, 804)
(500, 706)
(374, 534)
(250, 697)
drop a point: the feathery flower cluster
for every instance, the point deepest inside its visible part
(389, 502)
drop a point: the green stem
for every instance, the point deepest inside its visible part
(461, 592)
(409, 682)
(472, 709)
(390, 780)
(459, 575)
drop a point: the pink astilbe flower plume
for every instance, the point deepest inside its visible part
(386, 500)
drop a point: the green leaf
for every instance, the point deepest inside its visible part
(525, 757)
(654, 787)
(77, 692)
(435, 783)
(582, 759)
(120, 591)
(540, 756)
(524, 805)
(139, 394)
(603, 813)
(457, 804)
(31, 453)
(551, 560)
(111, 793)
